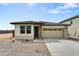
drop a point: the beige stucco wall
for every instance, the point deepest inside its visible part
(73, 30)
(23, 36)
(53, 34)
(68, 22)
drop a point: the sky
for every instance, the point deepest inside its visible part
(51, 12)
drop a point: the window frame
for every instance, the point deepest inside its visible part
(27, 29)
(54, 29)
(45, 29)
(22, 30)
(71, 22)
(59, 29)
(50, 29)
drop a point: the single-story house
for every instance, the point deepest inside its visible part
(39, 30)
(73, 30)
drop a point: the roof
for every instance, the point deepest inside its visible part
(40, 22)
(27, 22)
(71, 18)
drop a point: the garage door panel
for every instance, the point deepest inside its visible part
(53, 34)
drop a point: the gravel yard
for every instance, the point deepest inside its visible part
(23, 48)
(6, 36)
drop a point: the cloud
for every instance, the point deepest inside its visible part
(70, 5)
(65, 8)
(4, 4)
(54, 11)
(30, 4)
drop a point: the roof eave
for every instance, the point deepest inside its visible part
(56, 25)
(70, 19)
(25, 23)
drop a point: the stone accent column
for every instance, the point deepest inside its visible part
(32, 30)
(40, 32)
(66, 32)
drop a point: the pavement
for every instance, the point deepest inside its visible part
(62, 47)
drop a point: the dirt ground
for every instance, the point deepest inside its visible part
(5, 36)
(19, 48)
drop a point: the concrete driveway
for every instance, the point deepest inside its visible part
(62, 47)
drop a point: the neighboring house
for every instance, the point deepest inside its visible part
(39, 30)
(73, 30)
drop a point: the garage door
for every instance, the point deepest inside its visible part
(53, 33)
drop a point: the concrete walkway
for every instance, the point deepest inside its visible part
(62, 47)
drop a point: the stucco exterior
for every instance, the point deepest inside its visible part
(73, 30)
(23, 36)
(68, 22)
(49, 34)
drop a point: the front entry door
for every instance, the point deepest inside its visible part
(36, 32)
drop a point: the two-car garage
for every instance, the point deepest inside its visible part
(53, 32)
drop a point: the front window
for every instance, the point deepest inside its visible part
(22, 29)
(50, 29)
(55, 29)
(59, 29)
(45, 29)
(28, 29)
(71, 22)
